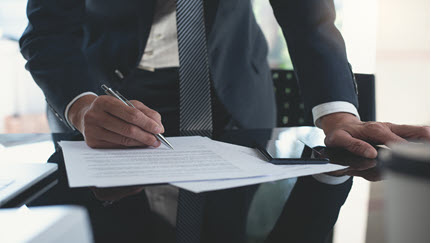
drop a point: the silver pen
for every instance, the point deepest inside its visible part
(117, 95)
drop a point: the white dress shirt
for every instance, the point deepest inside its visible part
(161, 50)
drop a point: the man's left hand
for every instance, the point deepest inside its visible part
(347, 131)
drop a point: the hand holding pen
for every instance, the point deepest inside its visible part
(117, 95)
(106, 122)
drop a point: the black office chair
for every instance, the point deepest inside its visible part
(290, 105)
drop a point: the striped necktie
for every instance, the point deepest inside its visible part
(195, 90)
(195, 105)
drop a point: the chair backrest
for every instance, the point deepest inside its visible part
(290, 105)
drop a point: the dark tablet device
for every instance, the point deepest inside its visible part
(284, 152)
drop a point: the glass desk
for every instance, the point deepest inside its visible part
(308, 215)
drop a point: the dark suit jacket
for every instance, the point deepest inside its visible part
(72, 46)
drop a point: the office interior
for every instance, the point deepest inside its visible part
(389, 39)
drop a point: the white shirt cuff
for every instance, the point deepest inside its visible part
(66, 112)
(333, 107)
(331, 180)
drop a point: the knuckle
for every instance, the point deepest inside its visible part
(332, 138)
(154, 114)
(135, 116)
(133, 131)
(152, 125)
(387, 124)
(329, 140)
(353, 147)
(127, 130)
(126, 141)
(148, 125)
(375, 126)
(356, 147)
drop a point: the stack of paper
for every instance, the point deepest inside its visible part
(197, 164)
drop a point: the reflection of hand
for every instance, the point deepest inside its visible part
(372, 174)
(106, 122)
(115, 193)
(357, 165)
(347, 131)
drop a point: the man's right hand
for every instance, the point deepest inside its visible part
(107, 122)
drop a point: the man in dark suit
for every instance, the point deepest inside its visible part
(73, 46)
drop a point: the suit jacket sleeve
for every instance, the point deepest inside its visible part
(317, 50)
(51, 44)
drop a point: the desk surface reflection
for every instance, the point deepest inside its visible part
(308, 214)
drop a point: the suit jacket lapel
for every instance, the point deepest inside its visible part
(210, 8)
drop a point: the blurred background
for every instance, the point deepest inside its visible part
(388, 38)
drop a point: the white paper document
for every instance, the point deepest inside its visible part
(191, 160)
(197, 164)
(280, 172)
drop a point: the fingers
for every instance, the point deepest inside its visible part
(94, 143)
(355, 137)
(108, 123)
(411, 132)
(118, 140)
(105, 127)
(379, 133)
(343, 139)
(123, 133)
(372, 174)
(149, 112)
(129, 114)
